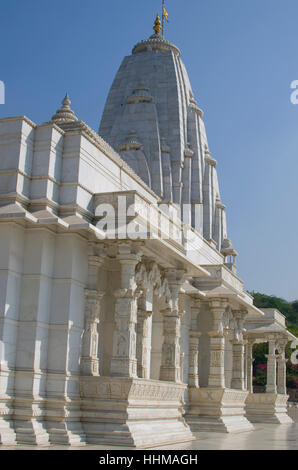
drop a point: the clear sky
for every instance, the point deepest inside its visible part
(241, 56)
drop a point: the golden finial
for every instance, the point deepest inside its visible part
(157, 24)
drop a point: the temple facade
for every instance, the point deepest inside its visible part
(122, 318)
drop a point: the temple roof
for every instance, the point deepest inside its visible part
(271, 324)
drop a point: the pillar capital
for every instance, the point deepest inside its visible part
(175, 279)
(93, 294)
(236, 342)
(272, 341)
(281, 345)
(175, 276)
(144, 313)
(195, 307)
(240, 314)
(195, 302)
(218, 305)
(194, 334)
(127, 250)
(97, 252)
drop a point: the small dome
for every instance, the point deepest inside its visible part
(65, 113)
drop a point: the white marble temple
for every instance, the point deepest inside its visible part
(120, 323)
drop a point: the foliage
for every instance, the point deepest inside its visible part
(260, 374)
(292, 382)
(259, 353)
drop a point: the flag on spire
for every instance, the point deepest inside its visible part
(165, 13)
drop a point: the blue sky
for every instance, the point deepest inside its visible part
(241, 56)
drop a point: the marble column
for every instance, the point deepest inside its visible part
(282, 368)
(171, 360)
(124, 362)
(250, 361)
(144, 324)
(194, 335)
(271, 367)
(238, 365)
(245, 365)
(238, 351)
(217, 344)
(89, 359)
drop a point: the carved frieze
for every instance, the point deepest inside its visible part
(110, 388)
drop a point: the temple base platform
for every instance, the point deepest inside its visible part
(217, 410)
(133, 412)
(267, 408)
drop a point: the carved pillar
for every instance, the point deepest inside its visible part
(271, 367)
(238, 365)
(144, 324)
(245, 365)
(282, 368)
(238, 351)
(89, 359)
(124, 363)
(171, 361)
(217, 344)
(194, 335)
(250, 361)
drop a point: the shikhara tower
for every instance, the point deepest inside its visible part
(153, 120)
(109, 339)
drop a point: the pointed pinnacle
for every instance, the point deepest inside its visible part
(66, 101)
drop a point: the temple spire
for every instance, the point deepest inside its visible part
(65, 113)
